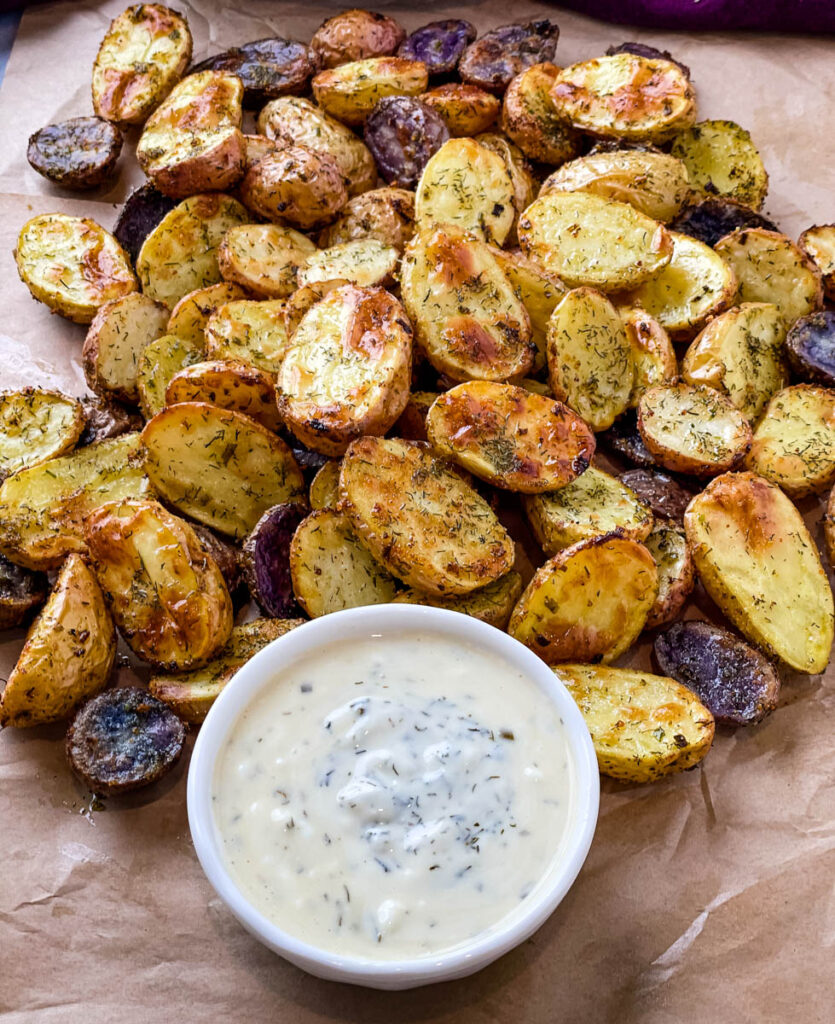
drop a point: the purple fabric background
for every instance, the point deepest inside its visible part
(813, 16)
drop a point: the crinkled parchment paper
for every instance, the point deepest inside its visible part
(705, 897)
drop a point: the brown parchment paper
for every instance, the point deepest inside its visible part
(708, 896)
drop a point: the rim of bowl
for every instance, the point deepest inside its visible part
(318, 633)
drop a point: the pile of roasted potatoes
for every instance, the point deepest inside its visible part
(334, 343)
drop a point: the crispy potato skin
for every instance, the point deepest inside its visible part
(264, 259)
(297, 185)
(755, 557)
(36, 425)
(347, 369)
(643, 726)
(351, 91)
(829, 528)
(494, 59)
(589, 602)
(530, 117)
(191, 314)
(722, 160)
(114, 343)
(420, 519)
(510, 437)
(385, 214)
(230, 385)
(492, 604)
(355, 35)
(167, 596)
(676, 573)
(68, 654)
(466, 110)
(143, 55)
(80, 153)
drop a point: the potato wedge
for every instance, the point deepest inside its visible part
(364, 262)
(467, 185)
(355, 35)
(794, 442)
(191, 314)
(818, 243)
(587, 603)
(755, 558)
(180, 254)
(347, 369)
(510, 437)
(331, 570)
(587, 240)
(296, 185)
(693, 429)
(695, 285)
(467, 317)
(722, 160)
(531, 120)
(167, 597)
(219, 467)
(740, 353)
(119, 332)
(653, 355)
(191, 694)
(68, 654)
(420, 519)
(654, 183)
(590, 362)
(324, 488)
(492, 604)
(676, 573)
(625, 96)
(524, 184)
(230, 385)
(36, 425)
(465, 109)
(264, 258)
(385, 214)
(592, 505)
(143, 55)
(770, 268)
(643, 726)
(539, 291)
(250, 332)
(295, 121)
(43, 509)
(351, 91)
(193, 141)
(72, 265)
(158, 363)
(21, 590)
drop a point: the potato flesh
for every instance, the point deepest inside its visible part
(492, 604)
(159, 362)
(676, 577)
(653, 355)
(818, 243)
(264, 258)
(351, 91)
(191, 314)
(254, 332)
(364, 262)
(119, 332)
(35, 426)
(722, 160)
(756, 559)
(324, 487)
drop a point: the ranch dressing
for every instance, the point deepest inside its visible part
(394, 796)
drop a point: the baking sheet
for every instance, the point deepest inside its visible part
(706, 896)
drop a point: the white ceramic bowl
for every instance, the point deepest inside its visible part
(350, 625)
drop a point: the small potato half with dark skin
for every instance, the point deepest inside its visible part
(266, 559)
(21, 590)
(354, 35)
(402, 134)
(711, 219)
(737, 683)
(663, 495)
(494, 59)
(439, 44)
(143, 209)
(80, 153)
(267, 67)
(810, 347)
(104, 419)
(122, 740)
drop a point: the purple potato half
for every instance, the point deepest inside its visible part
(498, 56)
(266, 560)
(810, 347)
(439, 44)
(402, 134)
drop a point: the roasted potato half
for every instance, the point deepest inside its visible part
(496, 57)
(104, 419)
(587, 603)
(228, 384)
(757, 561)
(663, 496)
(68, 654)
(653, 355)
(531, 120)
(510, 437)
(191, 314)
(467, 317)
(524, 184)
(465, 109)
(191, 694)
(165, 593)
(592, 505)
(219, 467)
(420, 519)
(676, 573)
(402, 133)
(142, 57)
(143, 209)
(250, 332)
(364, 262)
(264, 259)
(587, 240)
(693, 429)
(324, 488)
(384, 214)
(643, 726)
(439, 44)
(21, 590)
(794, 442)
(80, 153)
(539, 291)
(347, 369)
(625, 96)
(818, 243)
(354, 35)
(810, 347)
(296, 185)
(722, 160)
(43, 508)
(159, 361)
(740, 353)
(266, 559)
(36, 425)
(351, 91)
(72, 265)
(492, 604)
(829, 528)
(119, 332)
(304, 299)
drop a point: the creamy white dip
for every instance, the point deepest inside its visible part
(392, 797)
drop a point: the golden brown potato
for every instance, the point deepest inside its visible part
(385, 214)
(420, 519)
(324, 487)
(539, 291)
(296, 185)
(256, 147)
(818, 243)
(653, 355)
(492, 604)
(35, 426)
(794, 443)
(721, 160)
(159, 361)
(364, 262)
(467, 317)
(304, 299)
(219, 467)
(676, 573)
(626, 97)
(755, 557)
(521, 177)
(355, 35)
(143, 55)
(72, 265)
(191, 314)
(166, 595)
(643, 726)
(119, 332)
(68, 654)
(264, 258)
(693, 429)
(250, 332)
(230, 385)
(465, 109)
(347, 369)
(193, 140)
(509, 437)
(587, 603)
(531, 119)
(351, 91)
